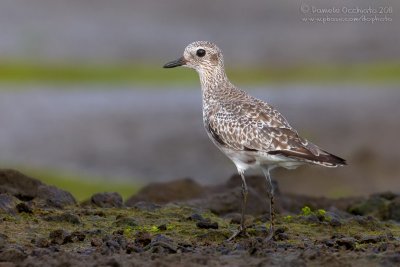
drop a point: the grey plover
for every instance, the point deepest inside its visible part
(247, 130)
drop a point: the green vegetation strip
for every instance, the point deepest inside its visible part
(82, 187)
(155, 75)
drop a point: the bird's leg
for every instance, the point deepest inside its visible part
(270, 192)
(242, 228)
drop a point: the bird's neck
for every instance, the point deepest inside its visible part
(214, 83)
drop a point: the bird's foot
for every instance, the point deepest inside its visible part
(239, 232)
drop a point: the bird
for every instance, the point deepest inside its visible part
(249, 131)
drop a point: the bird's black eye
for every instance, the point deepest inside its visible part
(201, 52)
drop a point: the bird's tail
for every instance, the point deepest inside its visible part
(322, 157)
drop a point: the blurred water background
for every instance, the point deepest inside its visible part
(84, 100)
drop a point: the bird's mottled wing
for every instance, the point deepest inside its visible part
(250, 126)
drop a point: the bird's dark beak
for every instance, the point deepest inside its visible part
(176, 63)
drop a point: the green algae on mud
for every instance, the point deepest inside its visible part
(23, 228)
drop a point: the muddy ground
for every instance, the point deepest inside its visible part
(182, 223)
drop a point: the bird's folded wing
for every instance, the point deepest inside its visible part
(257, 127)
(249, 126)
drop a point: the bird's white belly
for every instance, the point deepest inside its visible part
(245, 160)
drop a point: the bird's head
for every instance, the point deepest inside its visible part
(202, 56)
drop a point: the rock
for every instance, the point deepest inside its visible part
(394, 209)
(142, 239)
(178, 190)
(348, 242)
(42, 243)
(161, 244)
(371, 239)
(107, 200)
(26, 188)
(207, 225)
(24, 208)
(8, 203)
(64, 217)
(96, 242)
(375, 206)
(59, 237)
(78, 236)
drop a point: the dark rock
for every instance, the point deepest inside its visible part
(142, 239)
(96, 242)
(64, 217)
(78, 236)
(348, 242)
(107, 200)
(161, 244)
(207, 225)
(26, 188)
(53, 197)
(23, 207)
(161, 248)
(125, 221)
(42, 243)
(162, 227)
(329, 242)
(161, 238)
(371, 239)
(13, 255)
(113, 243)
(8, 203)
(59, 237)
(375, 206)
(178, 190)
(394, 209)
